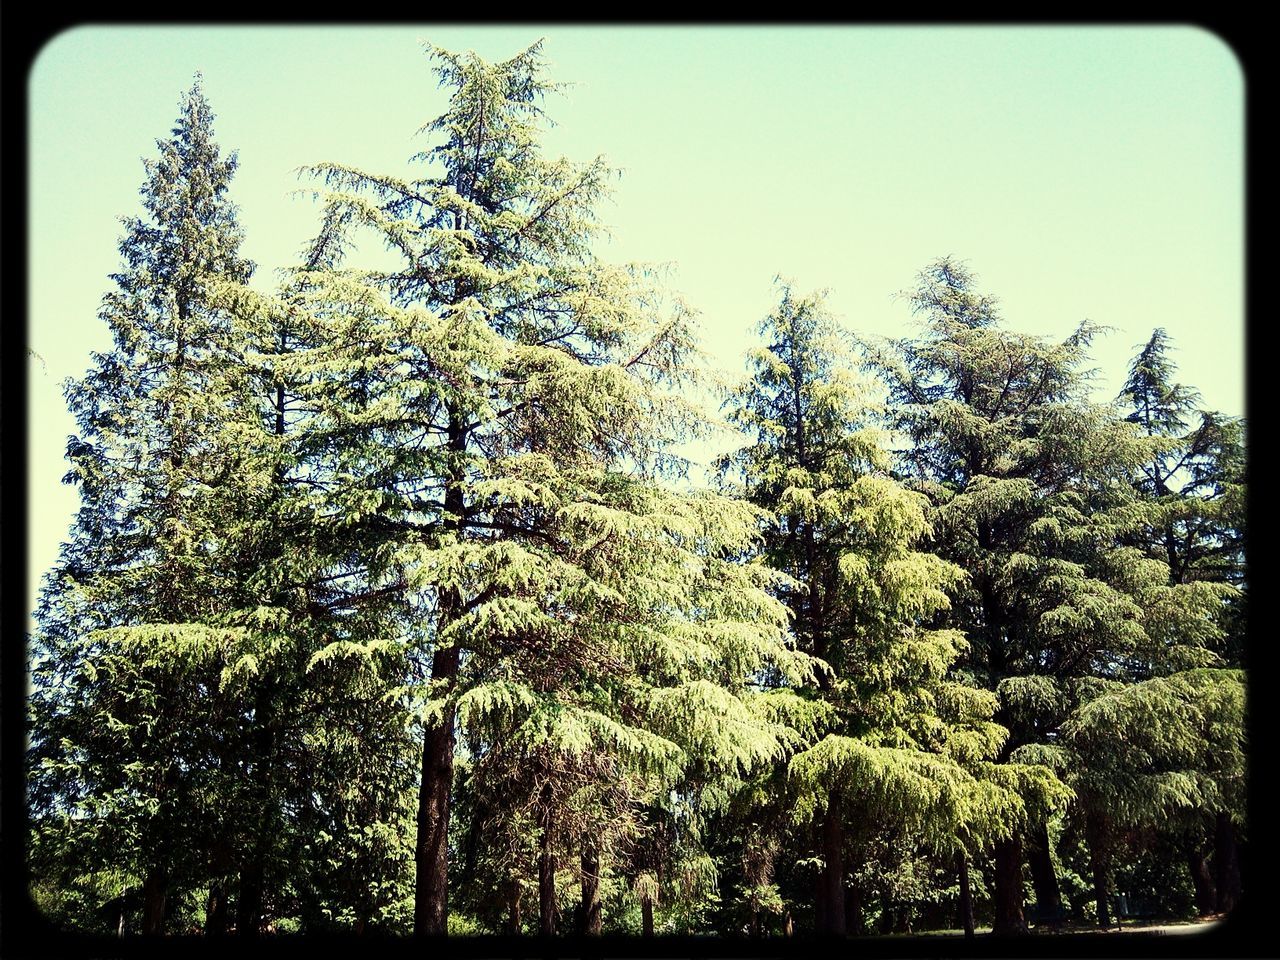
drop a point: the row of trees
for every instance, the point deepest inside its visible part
(382, 610)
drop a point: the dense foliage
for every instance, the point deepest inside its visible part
(389, 606)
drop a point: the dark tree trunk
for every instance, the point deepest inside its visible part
(1043, 877)
(1226, 864)
(592, 918)
(1095, 835)
(1008, 921)
(471, 845)
(431, 896)
(215, 915)
(853, 911)
(153, 900)
(820, 901)
(646, 916)
(1201, 879)
(546, 871)
(886, 914)
(966, 896)
(833, 872)
(249, 904)
(430, 900)
(513, 909)
(253, 871)
(221, 864)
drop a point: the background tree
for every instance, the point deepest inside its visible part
(1192, 492)
(128, 713)
(1029, 481)
(897, 735)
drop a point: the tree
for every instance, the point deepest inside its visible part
(502, 419)
(1150, 753)
(898, 737)
(200, 713)
(127, 711)
(1029, 482)
(331, 704)
(1191, 488)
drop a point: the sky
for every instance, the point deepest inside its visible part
(1082, 172)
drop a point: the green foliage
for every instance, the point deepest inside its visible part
(898, 737)
(402, 555)
(129, 711)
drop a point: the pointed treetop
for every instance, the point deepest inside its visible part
(947, 288)
(1160, 405)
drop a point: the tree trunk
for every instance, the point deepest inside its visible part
(1009, 921)
(853, 921)
(513, 909)
(1201, 879)
(249, 905)
(886, 914)
(788, 925)
(592, 919)
(215, 915)
(221, 864)
(253, 872)
(820, 900)
(966, 896)
(153, 898)
(546, 871)
(1043, 877)
(1095, 836)
(833, 871)
(431, 895)
(1226, 864)
(646, 916)
(430, 899)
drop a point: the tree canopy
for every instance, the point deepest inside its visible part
(391, 607)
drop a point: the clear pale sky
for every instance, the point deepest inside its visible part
(1083, 172)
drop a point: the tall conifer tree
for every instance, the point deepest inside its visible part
(1029, 482)
(898, 737)
(1191, 488)
(493, 402)
(126, 711)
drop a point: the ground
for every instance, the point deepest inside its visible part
(1128, 925)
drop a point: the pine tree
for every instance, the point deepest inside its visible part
(1191, 489)
(499, 409)
(200, 698)
(127, 714)
(899, 738)
(330, 705)
(1192, 482)
(1029, 485)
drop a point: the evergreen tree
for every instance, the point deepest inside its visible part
(1191, 484)
(899, 738)
(1029, 485)
(330, 708)
(127, 712)
(499, 407)
(200, 719)
(1192, 492)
